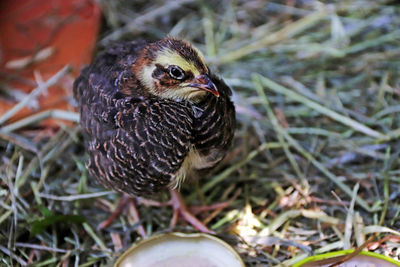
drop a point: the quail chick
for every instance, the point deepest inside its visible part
(152, 114)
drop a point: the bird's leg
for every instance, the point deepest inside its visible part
(125, 201)
(181, 208)
(122, 203)
(216, 206)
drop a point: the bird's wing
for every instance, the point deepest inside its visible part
(215, 127)
(108, 69)
(138, 144)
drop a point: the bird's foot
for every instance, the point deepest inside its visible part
(122, 203)
(126, 201)
(180, 207)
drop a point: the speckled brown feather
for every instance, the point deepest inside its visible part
(138, 142)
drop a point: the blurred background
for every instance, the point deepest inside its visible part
(315, 163)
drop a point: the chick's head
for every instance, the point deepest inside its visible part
(174, 69)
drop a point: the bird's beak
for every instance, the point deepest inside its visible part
(203, 82)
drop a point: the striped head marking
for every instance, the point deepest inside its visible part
(174, 69)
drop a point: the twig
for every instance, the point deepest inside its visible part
(273, 38)
(151, 15)
(98, 240)
(223, 175)
(306, 154)
(349, 219)
(75, 197)
(330, 113)
(355, 252)
(39, 247)
(12, 255)
(56, 114)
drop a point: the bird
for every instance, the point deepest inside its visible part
(153, 114)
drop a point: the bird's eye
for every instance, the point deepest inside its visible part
(176, 73)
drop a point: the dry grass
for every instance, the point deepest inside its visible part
(316, 152)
